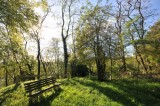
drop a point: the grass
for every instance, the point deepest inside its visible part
(85, 92)
(13, 95)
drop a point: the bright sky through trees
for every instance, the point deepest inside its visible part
(51, 28)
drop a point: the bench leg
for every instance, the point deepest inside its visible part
(57, 88)
(33, 100)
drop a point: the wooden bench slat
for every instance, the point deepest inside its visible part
(35, 88)
(40, 83)
(38, 86)
(39, 92)
(35, 82)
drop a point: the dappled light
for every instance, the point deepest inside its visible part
(79, 53)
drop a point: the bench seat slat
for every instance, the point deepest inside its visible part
(38, 84)
(39, 92)
(35, 88)
(35, 82)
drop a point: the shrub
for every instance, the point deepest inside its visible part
(80, 70)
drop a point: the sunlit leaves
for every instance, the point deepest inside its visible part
(153, 45)
(17, 14)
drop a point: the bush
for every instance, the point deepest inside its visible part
(80, 70)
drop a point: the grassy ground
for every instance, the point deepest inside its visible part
(85, 92)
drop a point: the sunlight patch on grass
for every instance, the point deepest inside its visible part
(77, 94)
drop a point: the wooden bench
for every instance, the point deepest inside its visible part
(36, 88)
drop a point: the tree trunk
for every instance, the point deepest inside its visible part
(138, 63)
(65, 57)
(111, 61)
(100, 62)
(38, 59)
(20, 68)
(124, 60)
(100, 69)
(29, 67)
(44, 66)
(6, 78)
(119, 25)
(143, 63)
(6, 73)
(141, 58)
(137, 52)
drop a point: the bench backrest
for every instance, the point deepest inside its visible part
(37, 85)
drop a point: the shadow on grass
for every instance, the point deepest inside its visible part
(5, 94)
(142, 92)
(132, 93)
(47, 101)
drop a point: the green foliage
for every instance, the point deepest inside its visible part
(90, 33)
(43, 4)
(17, 17)
(152, 47)
(17, 14)
(80, 70)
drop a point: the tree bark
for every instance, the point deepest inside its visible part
(65, 57)
(65, 36)
(38, 58)
(6, 78)
(44, 66)
(100, 58)
(124, 60)
(111, 61)
(100, 62)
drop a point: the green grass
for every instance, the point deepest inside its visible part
(13, 95)
(85, 92)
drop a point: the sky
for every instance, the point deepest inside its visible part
(51, 28)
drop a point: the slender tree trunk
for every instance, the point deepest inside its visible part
(140, 30)
(149, 65)
(138, 63)
(64, 45)
(111, 61)
(20, 68)
(29, 67)
(137, 51)
(65, 57)
(143, 63)
(65, 36)
(119, 24)
(6, 73)
(6, 77)
(141, 58)
(124, 60)
(44, 66)
(111, 67)
(38, 59)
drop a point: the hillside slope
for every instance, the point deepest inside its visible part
(85, 92)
